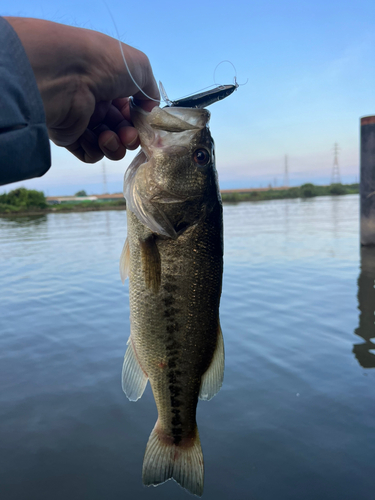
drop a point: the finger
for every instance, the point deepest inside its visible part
(135, 68)
(89, 143)
(127, 134)
(145, 104)
(86, 148)
(115, 121)
(80, 153)
(111, 145)
(100, 112)
(141, 70)
(77, 150)
(129, 137)
(123, 105)
(148, 95)
(114, 118)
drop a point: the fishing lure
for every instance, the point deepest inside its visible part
(202, 99)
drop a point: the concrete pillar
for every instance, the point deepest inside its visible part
(367, 185)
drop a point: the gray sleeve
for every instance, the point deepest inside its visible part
(24, 143)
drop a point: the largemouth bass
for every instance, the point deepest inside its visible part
(173, 256)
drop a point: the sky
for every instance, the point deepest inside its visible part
(309, 68)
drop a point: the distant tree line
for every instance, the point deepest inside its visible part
(305, 191)
(22, 199)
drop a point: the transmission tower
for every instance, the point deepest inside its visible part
(286, 173)
(105, 188)
(335, 177)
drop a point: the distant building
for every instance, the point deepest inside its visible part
(56, 200)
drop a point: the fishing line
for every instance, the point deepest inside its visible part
(215, 84)
(235, 73)
(165, 99)
(233, 66)
(242, 84)
(124, 59)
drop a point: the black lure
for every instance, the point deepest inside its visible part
(201, 100)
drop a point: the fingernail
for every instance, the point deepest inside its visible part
(112, 144)
(132, 142)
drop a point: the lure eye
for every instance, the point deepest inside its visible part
(201, 157)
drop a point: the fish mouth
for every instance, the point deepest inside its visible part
(158, 128)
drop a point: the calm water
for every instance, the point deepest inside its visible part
(295, 418)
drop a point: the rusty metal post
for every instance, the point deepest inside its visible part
(367, 183)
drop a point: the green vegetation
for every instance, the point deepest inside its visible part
(81, 193)
(305, 191)
(87, 205)
(22, 200)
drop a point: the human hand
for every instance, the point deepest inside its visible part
(85, 87)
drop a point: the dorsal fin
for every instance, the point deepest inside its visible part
(164, 94)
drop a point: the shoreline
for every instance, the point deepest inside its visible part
(117, 202)
(43, 211)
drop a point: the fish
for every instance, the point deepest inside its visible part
(173, 256)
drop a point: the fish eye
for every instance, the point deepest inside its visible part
(201, 157)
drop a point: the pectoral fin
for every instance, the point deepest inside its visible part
(212, 379)
(125, 261)
(134, 379)
(151, 265)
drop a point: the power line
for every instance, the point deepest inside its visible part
(335, 177)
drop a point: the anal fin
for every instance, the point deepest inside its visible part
(134, 379)
(212, 379)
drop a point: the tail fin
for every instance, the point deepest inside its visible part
(183, 462)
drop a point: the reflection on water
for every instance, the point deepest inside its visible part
(24, 220)
(108, 225)
(335, 208)
(365, 351)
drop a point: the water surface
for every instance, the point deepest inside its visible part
(295, 416)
